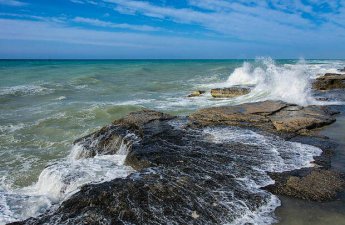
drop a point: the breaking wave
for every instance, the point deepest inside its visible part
(60, 180)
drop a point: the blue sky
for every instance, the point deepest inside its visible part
(172, 29)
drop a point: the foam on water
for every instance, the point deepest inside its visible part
(274, 155)
(60, 180)
(23, 90)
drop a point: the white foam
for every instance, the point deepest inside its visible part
(271, 81)
(22, 90)
(60, 180)
(11, 127)
(289, 83)
(61, 98)
(274, 155)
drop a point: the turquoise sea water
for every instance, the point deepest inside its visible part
(45, 105)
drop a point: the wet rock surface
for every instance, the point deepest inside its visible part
(272, 116)
(230, 92)
(310, 184)
(330, 81)
(200, 170)
(196, 93)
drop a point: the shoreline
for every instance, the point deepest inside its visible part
(146, 124)
(295, 211)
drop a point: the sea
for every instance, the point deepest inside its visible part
(47, 104)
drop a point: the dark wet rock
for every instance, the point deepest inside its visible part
(196, 93)
(330, 81)
(120, 132)
(272, 116)
(323, 99)
(184, 176)
(315, 185)
(342, 70)
(229, 92)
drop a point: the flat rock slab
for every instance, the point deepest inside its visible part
(273, 116)
(230, 92)
(330, 81)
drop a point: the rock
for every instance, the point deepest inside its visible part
(292, 119)
(229, 92)
(196, 93)
(323, 99)
(332, 74)
(317, 185)
(342, 70)
(183, 176)
(272, 116)
(109, 139)
(329, 81)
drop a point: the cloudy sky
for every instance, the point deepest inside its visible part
(172, 29)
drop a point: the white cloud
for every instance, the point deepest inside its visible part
(12, 3)
(101, 23)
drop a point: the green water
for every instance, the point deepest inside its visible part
(45, 105)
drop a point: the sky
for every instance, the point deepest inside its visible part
(172, 29)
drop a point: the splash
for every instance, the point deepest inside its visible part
(289, 83)
(60, 180)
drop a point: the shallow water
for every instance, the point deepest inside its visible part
(294, 211)
(46, 105)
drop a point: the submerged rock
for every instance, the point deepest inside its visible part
(330, 81)
(229, 92)
(315, 185)
(196, 93)
(272, 116)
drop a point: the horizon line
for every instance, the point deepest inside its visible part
(155, 59)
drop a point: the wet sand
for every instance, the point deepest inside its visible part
(300, 212)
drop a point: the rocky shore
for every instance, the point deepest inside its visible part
(330, 81)
(186, 177)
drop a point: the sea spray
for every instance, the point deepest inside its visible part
(60, 180)
(291, 84)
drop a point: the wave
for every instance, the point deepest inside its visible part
(60, 180)
(272, 81)
(25, 90)
(289, 83)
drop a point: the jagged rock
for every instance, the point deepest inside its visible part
(111, 137)
(273, 116)
(330, 81)
(229, 92)
(315, 185)
(196, 93)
